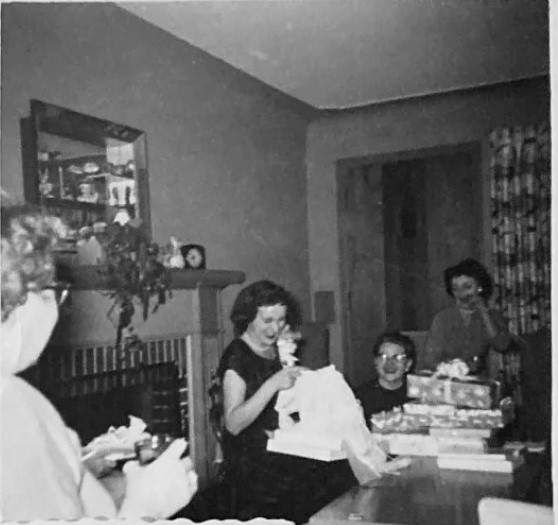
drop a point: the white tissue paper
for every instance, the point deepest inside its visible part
(455, 368)
(117, 443)
(331, 420)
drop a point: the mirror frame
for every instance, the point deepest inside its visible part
(66, 123)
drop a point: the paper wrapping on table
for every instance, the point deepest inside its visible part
(465, 392)
(328, 410)
(427, 445)
(118, 443)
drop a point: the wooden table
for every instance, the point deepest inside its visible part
(421, 494)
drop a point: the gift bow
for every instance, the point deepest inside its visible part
(455, 369)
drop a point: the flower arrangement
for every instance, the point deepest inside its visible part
(132, 273)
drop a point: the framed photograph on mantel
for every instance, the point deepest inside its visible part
(84, 169)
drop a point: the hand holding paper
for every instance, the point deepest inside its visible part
(161, 488)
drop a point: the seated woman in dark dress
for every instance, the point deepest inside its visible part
(269, 485)
(394, 357)
(469, 329)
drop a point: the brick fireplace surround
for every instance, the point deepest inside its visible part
(166, 381)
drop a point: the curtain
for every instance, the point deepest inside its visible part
(520, 219)
(520, 207)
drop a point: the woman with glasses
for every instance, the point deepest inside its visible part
(394, 357)
(43, 476)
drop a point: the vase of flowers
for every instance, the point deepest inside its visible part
(131, 272)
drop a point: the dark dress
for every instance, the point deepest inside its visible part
(272, 485)
(374, 398)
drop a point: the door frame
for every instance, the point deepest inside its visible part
(343, 170)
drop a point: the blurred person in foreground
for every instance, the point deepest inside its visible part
(42, 474)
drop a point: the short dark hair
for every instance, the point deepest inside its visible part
(262, 293)
(397, 338)
(470, 268)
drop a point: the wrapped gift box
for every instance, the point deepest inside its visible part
(419, 416)
(464, 392)
(449, 416)
(300, 442)
(484, 433)
(427, 445)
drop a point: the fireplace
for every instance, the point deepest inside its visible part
(166, 381)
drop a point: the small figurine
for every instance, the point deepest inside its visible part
(287, 346)
(46, 187)
(173, 258)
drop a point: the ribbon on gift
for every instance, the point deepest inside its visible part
(455, 369)
(446, 390)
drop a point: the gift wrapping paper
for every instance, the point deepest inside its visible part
(418, 416)
(473, 393)
(426, 445)
(462, 418)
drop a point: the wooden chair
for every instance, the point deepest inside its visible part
(314, 345)
(218, 500)
(224, 489)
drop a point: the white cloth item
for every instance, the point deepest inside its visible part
(327, 406)
(159, 489)
(42, 476)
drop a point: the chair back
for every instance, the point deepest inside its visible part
(314, 345)
(217, 422)
(419, 338)
(216, 409)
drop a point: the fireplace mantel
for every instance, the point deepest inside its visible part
(88, 278)
(86, 331)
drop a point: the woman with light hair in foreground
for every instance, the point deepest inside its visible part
(42, 475)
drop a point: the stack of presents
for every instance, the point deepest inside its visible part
(453, 418)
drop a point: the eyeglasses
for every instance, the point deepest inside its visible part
(400, 358)
(61, 291)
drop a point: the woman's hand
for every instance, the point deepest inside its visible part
(99, 465)
(162, 488)
(477, 303)
(285, 378)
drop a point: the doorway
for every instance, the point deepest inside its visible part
(403, 218)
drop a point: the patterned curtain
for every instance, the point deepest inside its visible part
(520, 208)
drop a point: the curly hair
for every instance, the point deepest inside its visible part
(262, 293)
(397, 338)
(28, 239)
(470, 268)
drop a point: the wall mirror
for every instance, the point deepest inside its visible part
(84, 169)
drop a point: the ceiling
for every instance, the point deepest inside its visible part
(347, 53)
